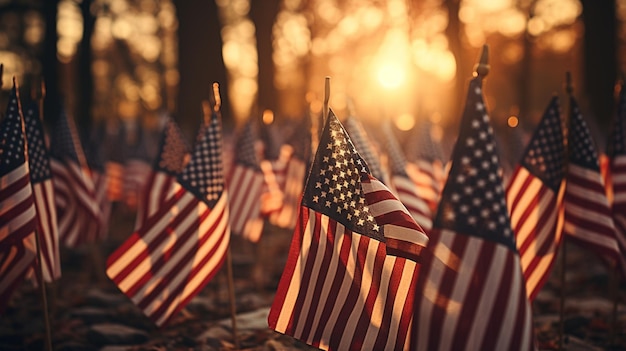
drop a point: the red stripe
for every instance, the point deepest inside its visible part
(290, 266)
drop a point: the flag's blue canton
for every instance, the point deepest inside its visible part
(473, 201)
(334, 184)
(544, 156)
(583, 152)
(62, 145)
(246, 152)
(172, 151)
(204, 175)
(38, 157)
(616, 143)
(12, 139)
(397, 161)
(363, 147)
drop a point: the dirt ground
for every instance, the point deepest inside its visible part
(87, 312)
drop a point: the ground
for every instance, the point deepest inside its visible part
(88, 312)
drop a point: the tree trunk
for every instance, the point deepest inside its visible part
(263, 14)
(600, 58)
(50, 63)
(200, 62)
(453, 33)
(84, 82)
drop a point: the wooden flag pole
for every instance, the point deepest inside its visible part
(326, 98)
(38, 265)
(217, 103)
(569, 89)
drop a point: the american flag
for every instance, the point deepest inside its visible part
(97, 166)
(298, 148)
(406, 190)
(245, 185)
(426, 166)
(614, 170)
(274, 167)
(165, 263)
(161, 183)
(137, 167)
(588, 216)
(534, 197)
(18, 215)
(74, 189)
(472, 293)
(349, 281)
(365, 146)
(43, 192)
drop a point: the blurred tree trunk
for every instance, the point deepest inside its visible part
(600, 57)
(50, 63)
(84, 84)
(454, 33)
(263, 14)
(200, 62)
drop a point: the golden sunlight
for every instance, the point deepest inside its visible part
(390, 75)
(404, 122)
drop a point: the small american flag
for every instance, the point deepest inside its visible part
(472, 289)
(588, 216)
(406, 190)
(18, 215)
(534, 197)
(74, 189)
(41, 181)
(614, 170)
(165, 263)
(161, 183)
(274, 168)
(97, 231)
(426, 165)
(298, 149)
(245, 185)
(349, 281)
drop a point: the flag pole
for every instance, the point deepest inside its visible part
(217, 103)
(38, 264)
(326, 98)
(569, 89)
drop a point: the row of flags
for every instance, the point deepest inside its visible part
(386, 252)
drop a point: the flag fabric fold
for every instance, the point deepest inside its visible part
(588, 219)
(18, 213)
(43, 192)
(349, 281)
(535, 199)
(182, 245)
(471, 289)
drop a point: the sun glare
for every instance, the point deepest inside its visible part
(390, 75)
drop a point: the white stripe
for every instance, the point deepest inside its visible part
(296, 279)
(364, 287)
(459, 291)
(315, 273)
